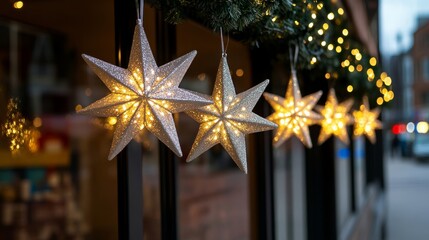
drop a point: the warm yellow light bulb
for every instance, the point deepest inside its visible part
(338, 49)
(373, 61)
(18, 4)
(325, 26)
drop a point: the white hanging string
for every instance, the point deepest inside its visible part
(293, 57)
(221, 42)
(224, 48)
(139, 9)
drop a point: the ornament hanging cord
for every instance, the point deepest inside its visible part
(222, 44)
(139, 9)
(293, 57)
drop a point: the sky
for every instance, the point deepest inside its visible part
(399, 17)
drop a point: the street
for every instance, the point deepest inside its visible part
(407, 199)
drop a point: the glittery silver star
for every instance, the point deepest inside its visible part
(229, 118)
(366, 121)
(293, 113)
(143, 95)
(336, 117)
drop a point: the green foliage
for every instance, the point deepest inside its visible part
(315, 26)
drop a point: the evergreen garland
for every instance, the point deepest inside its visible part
(321, 29)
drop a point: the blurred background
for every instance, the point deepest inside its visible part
(56, 182)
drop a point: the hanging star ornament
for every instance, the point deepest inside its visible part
(229, 118)
(366, 121)
(143, 95)
(335, 118)
(293, 114)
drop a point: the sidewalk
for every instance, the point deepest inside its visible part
(407, 199)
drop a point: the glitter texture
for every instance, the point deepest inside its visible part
(366, 121)
(143, 96)
(335, 118)
(293, 113)
(229, 118)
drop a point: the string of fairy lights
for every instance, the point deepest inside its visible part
(21, 135)
(338, 45)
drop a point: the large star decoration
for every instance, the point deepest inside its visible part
(229, 118)
(335, 118)
(143, 95)
(366, 121)
(293, 114)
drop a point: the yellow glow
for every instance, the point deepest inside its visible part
(358, 56)
(293, 114)
(345, 32)
(310, 38)
(379, 100)
(313, 16)
(331, 16)
(18, 4)
(327, 75)
(330, 47)
(379, 83)
(323, 43)
(351, 68)
(387, 81)
(383, 75)
(350, 88)
(274, 19)
(338, 49)
(320, 32)
(335, 119)
(340, 11)
(111, 120)
(366, 121)
(370, 74)
(37, 122)
(310, 25)
(313, 60)
(422, 127)
(386, 97)
(296, 22)
(325, 26)
(373, 61)
(355, 51)
(346, 63)
(78, 107)
(359, 68)
(340, 40)
(239, 72)
(319, 6)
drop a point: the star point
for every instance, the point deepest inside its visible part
(366, 121)
(228, 119)
(143, 96)
(293, 114)
(335, 118)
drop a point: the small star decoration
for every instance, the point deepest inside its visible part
(335, 118)
(293, 113)
(143, 95)
(366, 121)
(229, 118)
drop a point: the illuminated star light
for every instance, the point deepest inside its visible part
(335, 118)
(293, 113)
(228, 119)
(143, 95)
(366, 121)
